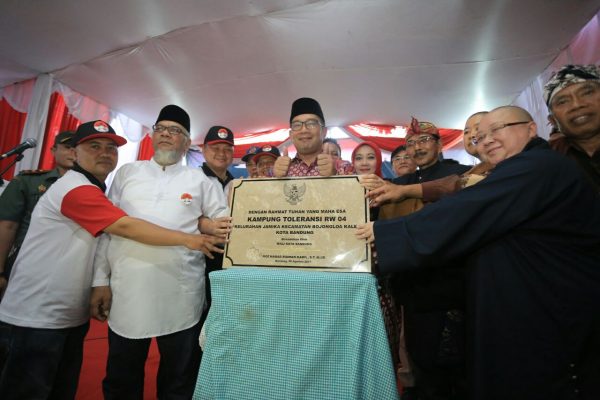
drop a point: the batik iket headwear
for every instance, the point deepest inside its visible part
(423, 127)
(569, 75)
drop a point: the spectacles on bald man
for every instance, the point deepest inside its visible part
(481, 136)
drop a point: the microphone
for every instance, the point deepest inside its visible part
(27, 144)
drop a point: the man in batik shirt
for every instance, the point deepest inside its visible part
(307, 131)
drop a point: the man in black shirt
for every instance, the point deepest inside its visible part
(530, 237)
(433, 302)
(573, 98)
(423, 144)
(218, 153)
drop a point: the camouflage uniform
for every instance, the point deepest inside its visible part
(18, 200)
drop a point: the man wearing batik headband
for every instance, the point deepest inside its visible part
(307, 131)
(573, 97)
(157, 292)
(45, 312)
(434, 300)
(423, 144)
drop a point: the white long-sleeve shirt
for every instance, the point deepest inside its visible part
(157, 290)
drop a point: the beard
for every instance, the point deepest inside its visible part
(166, 157)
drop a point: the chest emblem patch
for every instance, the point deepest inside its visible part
(186, 199)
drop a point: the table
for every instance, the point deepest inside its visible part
(281, 334)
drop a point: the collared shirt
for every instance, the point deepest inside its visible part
(589, 165)
(157, 290)
(225, 184)
(51, 280)
(299, 168)
(20, 197)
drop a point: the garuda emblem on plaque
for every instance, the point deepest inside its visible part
(293, 192)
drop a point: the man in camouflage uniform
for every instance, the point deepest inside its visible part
(20, 197)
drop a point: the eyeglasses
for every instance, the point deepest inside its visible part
(401, 158)
(311, 125)
(173, 130)
(420, 140)
(481, 136)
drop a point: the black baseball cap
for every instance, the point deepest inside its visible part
(267, 150)
(251, 152)
(63, 138)
(219, 134)
(96, 129)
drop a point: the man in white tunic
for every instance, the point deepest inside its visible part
(45, 312)
(156, 291)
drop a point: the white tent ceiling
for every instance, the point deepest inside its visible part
(242, 63)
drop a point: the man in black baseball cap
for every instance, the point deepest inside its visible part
(248, 158)
(44, 329)
(96, 144)
(63, 137)
(96, 129)
(218, 153)
(265, 159)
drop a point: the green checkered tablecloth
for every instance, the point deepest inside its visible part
(279, 334)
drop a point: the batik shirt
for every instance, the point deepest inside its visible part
(299, 168)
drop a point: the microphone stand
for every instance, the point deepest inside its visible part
(19, 157)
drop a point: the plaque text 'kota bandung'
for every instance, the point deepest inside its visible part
(279, 227)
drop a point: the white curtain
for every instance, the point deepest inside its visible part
(33, 97)
(35, 123)
(86, 109)
(18, 95)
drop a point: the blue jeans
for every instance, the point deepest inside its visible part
(180, 356)
(40, 363)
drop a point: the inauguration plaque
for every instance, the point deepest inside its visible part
(299, 223)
